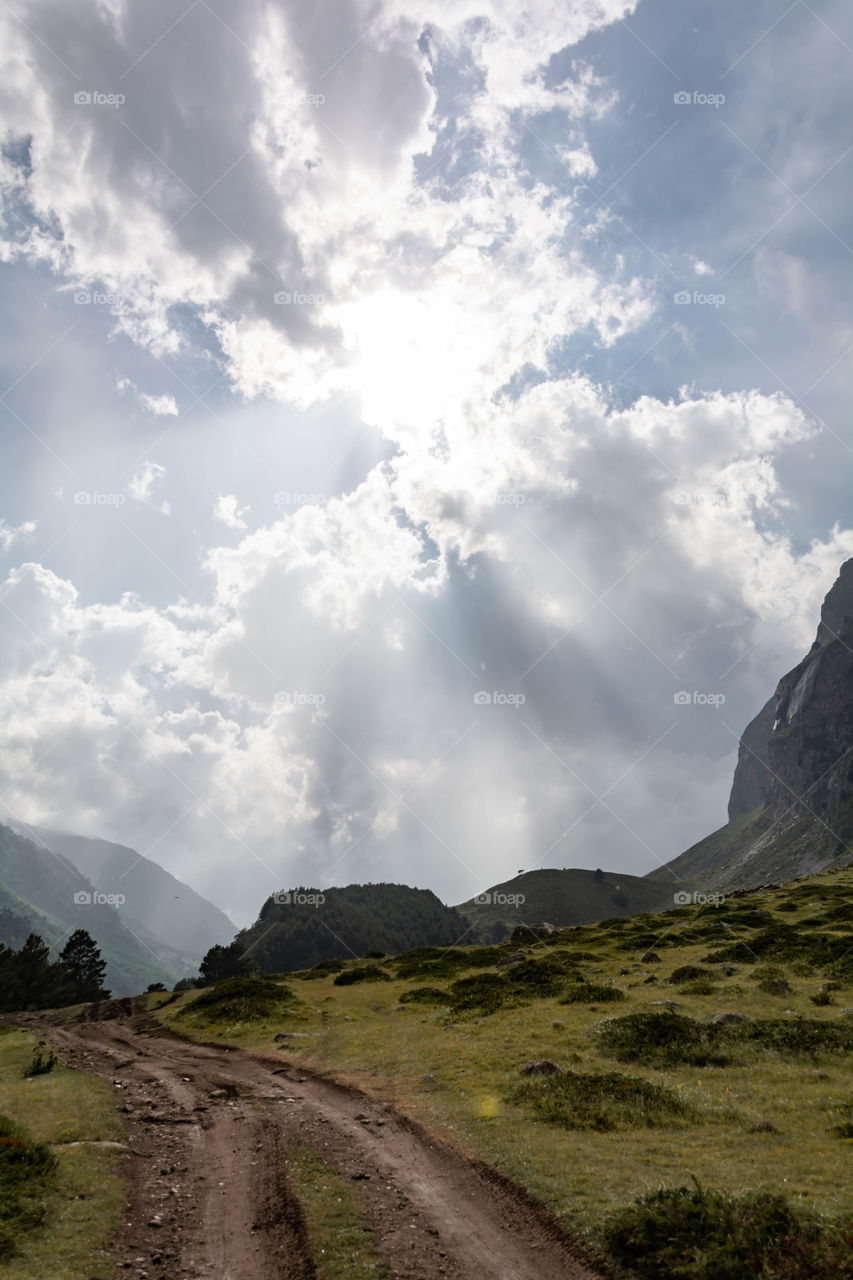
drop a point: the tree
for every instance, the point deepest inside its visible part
(224, 962)
(599, 875)
(34, 979)
(83, 968)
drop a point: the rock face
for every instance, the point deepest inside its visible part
(791, 804)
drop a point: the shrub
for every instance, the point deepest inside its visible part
(42, 1062)
(600, 1100)
(26, 1175)
(362, 973)
(483, 993)
(690, 1233)
(241, 1000)
(424, 995)
(591, 993)
(688, 973)
(794, 1037)
(660, 1039)
(701, 987)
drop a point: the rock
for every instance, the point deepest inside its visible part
(727, 970)
(845, 1013)
(763, 1126)
(540, 1067)
(667, 1004)
(650, 957)
(721, 1019)
(515, 958)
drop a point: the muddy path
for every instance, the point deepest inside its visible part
(211, 1131)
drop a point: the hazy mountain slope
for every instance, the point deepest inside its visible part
(159, 908)
(45, 882)
(795, 770)
(563, 897)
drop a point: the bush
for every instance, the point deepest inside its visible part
(362, 973)
(661, 1039)
(483, 993)
(424, 995)
(600, 1100)
(690, 1233)
(689, 973)
(241, 1000)
(42, 1062)
(591, 993)
(795, 1037)
(26, 1175)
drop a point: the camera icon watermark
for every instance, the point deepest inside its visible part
(687, 297)
(82, 898)
(293, 898)
(685, 899)
(482, 698)
(681, 98)
(84, 98)
(697, 699)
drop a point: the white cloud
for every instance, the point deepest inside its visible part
(11, 534)
(161, 406)
(143, 483)
(227, 511)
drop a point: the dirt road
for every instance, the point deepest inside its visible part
(211, 1131)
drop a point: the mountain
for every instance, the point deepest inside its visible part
(301, 927)
(562, 897)
(791, 804)
(178, 923)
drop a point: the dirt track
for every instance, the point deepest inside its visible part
(210, 1131)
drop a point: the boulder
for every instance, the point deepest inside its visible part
(540, 1067)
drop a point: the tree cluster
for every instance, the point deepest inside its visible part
(29, 979)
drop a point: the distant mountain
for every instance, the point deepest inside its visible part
(298, 928)
(791, 804)
(45, 890)
(170, 916)
(562, 897)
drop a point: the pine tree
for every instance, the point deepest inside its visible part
(83, 967)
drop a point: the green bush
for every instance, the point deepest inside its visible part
(242, 1000)
(661, 1039)
(362, 973)
(26, 1176)
(591, 993)
(690, 1233)
(599, 1100)
(689, 973)
(424, 995)
(42, 1062)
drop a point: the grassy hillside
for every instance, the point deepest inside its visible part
(648, 1091)
(562, 897)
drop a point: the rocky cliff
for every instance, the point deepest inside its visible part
(791, 804)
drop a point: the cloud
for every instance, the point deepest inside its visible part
(142, 485)
(160, 406)
(227, 511)
(9, 534)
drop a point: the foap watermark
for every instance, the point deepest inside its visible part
(295, 498)
(510, 499)
(697, 699)
(685, 899)
(312, 100)
(95, 98)
(695, 298)
(700, 498)
(498, 699)
(94, 498)
(294, 898)
(293, 298)
(94, 298)
(682, 98)
(295, 698)
(83, 898)
(490, 898)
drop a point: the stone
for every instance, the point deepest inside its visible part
(728, 1017)
(540, 1067)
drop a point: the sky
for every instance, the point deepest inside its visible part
(425, 423)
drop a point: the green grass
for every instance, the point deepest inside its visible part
(237, 1004)
(81, 1198)
(341, 1241)
(27, 1172)
(448, 1047)
(599, 1100)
